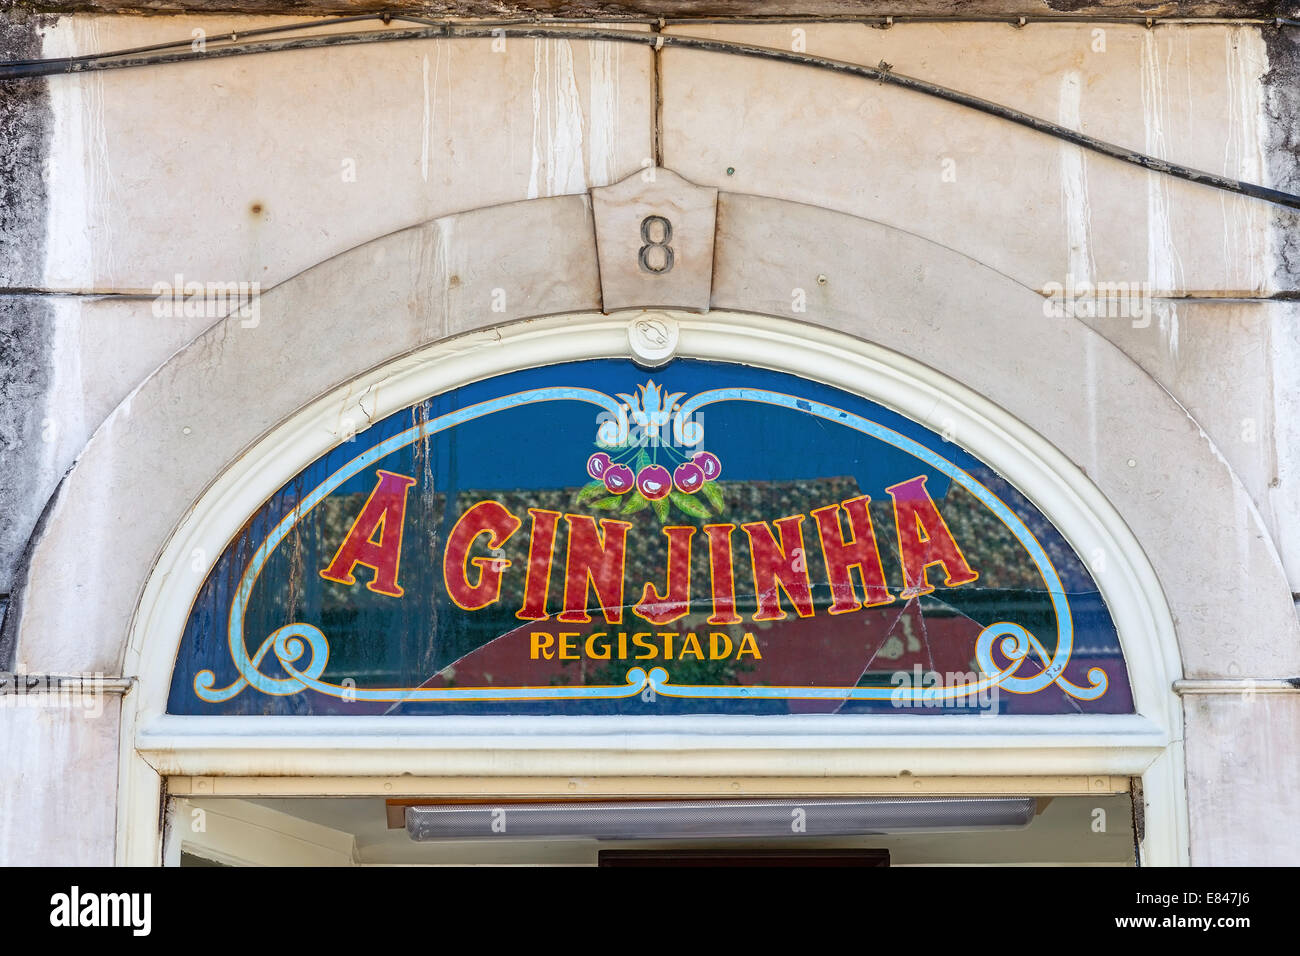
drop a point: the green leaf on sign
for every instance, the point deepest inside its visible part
(661, 509)
(607, 504)
(590, 490)
(689, 505)
(635, 502)
(714, 494)
(642, 459)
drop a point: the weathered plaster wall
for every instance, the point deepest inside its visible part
(1241, 778)
(25, 342)
(1233, 366)
(58, 795)
(1026, 204)
(1282, 144)
(257, 168)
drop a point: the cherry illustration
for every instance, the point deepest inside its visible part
(654, 482)
(688, 477)
(597, 464)
(709, 464)
(619, 478)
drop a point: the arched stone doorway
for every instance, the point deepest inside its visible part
(939, 318)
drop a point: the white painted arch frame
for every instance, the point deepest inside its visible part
(1148, 744)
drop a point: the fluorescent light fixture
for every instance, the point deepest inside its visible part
(713, 819)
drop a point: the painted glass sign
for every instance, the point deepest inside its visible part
(596, 538)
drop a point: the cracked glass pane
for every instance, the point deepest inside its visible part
(595, 538)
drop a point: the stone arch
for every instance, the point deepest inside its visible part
(381, 305)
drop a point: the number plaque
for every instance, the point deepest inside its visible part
(654, 239)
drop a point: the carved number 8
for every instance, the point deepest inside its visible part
(643, 257)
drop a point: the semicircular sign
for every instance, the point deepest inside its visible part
(594, 538)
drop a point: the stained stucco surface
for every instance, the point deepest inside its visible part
(256, 169)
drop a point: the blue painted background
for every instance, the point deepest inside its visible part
(403, 642)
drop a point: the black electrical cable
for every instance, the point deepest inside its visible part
(215, 38)
(444, 30)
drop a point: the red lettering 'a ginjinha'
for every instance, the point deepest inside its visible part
(860, 551)
(382, 515)
(541, 551)
(924, 540)
(722, 582)
(665, 608)
(784, 566)
(489, 518)
(595, 556)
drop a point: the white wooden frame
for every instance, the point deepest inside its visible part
(1147, 744)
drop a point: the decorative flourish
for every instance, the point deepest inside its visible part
(628, 475)
(651, 412)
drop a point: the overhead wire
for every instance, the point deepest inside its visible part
(236, 44)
